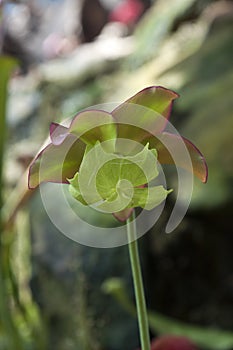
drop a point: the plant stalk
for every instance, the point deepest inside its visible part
(138, 283)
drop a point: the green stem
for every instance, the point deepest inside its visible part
(138, 283)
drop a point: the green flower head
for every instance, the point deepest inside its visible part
(109, 159)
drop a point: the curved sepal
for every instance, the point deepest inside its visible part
(177, 143)
(149, 197)
(94, 125)
(58, 133)
(56, 163)
(149, 109)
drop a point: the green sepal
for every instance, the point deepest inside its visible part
(119, 184)
(149, 197)
(75, 191)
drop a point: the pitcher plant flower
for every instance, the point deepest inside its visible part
(107, 145)
(109, 161)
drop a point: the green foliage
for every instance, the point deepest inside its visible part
(207, 104)
(7, 65)
(209, 338)
(20, 326)
(154, 28)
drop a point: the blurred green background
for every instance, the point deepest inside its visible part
(69, 55)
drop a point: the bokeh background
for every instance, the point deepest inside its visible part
(55, 293)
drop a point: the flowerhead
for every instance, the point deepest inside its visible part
(110, 159)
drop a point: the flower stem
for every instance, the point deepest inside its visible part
(138, 283)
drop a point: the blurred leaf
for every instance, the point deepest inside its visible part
(7, 65)
(208, 108)
(210, 338)
(154, 28)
